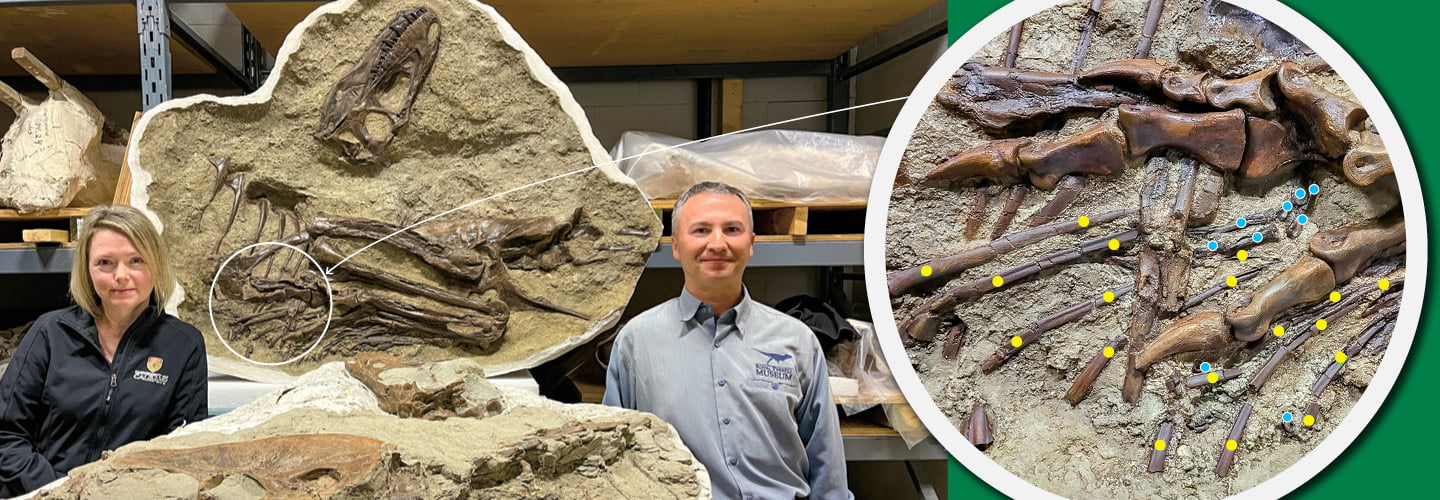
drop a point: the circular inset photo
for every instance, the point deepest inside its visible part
(1146, 249)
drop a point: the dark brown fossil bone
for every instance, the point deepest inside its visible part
(1012, 50)
(294, 466)
(1328, 116)
(1143, 312)
(1203, 379)
(1100, 150)
(977, 212)
(1158, 451)
(925, 320)
(1092, 15)
(943, 268)
(999, 98)
(1065, 194)
(1147, 33)
(1251, 92)
(1269, 147)
(1217, 139)
(1268, 233)
(1313, 411)
(1141, 72)
(1086, 379)
(406, 47)
(1058, 319)
(954, 340)
(1349, 248)
(1205, 201)
(238, 184)
(1227, 450)
(1308, 280)
(1201, 331)
(1198, 298)
(409, 400)
(1367, 161)
(1377, 326)
(1007, 212)
(1306, 328)
(994, 160)
(222, 174)
(978, 428)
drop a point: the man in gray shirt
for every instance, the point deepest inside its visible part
(744, 384)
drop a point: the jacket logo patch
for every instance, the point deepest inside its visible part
(152, 377)
(774, 357)
(154, 364)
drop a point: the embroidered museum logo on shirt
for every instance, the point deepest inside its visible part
(769, 370)
(153, 364)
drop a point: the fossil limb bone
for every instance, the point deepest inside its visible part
(1198, 298)
(1147, 33)
(1227, 451)
(1007, 212)
(1217, 139)
(1381, 325)
(1065, 194)
(1143, 311)
(1092, 15)
(1201, 331)
(1203, 379)
(1099, 150)
(1205, 200)
(978, 428)
(406, 47)
(1329, 116)
(977, 212)
(1012, 50)
(1159, 451)
(1058, 319)
(1086, 379)
(1367, 161)
(1350, 247)
(1268, 233)
(1308, 280)
(293, 466)
(994, 160)
(943, 268)
(1269, 147)
(999, 98)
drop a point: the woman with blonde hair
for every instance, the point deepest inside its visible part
(111, 369)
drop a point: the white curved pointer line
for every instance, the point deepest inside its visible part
(331, 269)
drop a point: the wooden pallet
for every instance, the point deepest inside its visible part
(789, 221)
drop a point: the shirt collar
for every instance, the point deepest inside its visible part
(692, 308)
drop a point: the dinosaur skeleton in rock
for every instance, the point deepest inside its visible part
(1265, 125)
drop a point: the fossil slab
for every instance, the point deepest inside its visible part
(379, 116)
(324, 436)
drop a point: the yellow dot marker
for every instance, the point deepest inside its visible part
(1231, 445)
(1242, 255)
(1279, 331)
(1212, 377)
(1108, 351)
(997, 281)
(1115, 245)
(1016, 341)
(1340, 357)
(1309, 420)
(1159, 445)
(1084, 221)
(1321, 324)
(926, 271)
(1384, 284)
(1109, 296)
(1335, 296)
(1231, 281)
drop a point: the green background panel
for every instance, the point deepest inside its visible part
(1395, 44)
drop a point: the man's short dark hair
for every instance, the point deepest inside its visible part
(713, 188)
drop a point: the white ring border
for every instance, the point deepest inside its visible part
(1416, 245)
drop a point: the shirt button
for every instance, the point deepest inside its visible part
(721, 382)
(726, 420)
(733, 461)
(717, 343)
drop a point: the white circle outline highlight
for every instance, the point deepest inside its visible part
(329, 302)
(1000, 21)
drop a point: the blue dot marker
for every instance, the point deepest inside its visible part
(1257, 237)
(1287, 206)
(1212, 246)
(1240, 222)
(1287, 417)
(1302, 219)
(1300, 193)
(1314, 189)
(1205, 367)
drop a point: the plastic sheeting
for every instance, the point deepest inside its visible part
(789, 165)
(861, 360)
